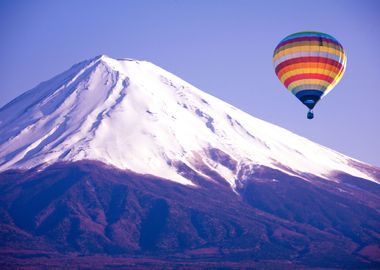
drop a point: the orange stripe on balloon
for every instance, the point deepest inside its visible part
(308, 59)
(290, 74)
(288, 68)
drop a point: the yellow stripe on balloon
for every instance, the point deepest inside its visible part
(308, 81)
(308, 49)
(336, 80)
(327, 72)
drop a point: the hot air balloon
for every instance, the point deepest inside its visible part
(309, 64)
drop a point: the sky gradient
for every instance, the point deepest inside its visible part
(222, 47)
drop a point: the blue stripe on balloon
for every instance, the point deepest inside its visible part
(308, 34)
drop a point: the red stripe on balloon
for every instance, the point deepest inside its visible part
(308, 76)
(313, 59)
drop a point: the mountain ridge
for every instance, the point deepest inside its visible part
(83, 114)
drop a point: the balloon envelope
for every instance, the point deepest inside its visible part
(309, 64)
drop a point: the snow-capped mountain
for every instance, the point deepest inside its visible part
(134, 115)
(118, 163)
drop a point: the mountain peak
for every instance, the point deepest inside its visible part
(134, 115)
(106, 57)
(116, 62)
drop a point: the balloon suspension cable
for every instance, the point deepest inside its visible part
(310, 114)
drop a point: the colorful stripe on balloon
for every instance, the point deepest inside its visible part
(309, 61)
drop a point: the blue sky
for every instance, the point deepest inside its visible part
(223, 47)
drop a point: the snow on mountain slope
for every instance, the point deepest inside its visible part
(134, 115)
